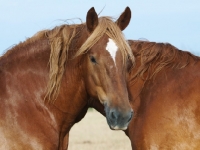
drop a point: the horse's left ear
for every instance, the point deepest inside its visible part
(124, 19)
(91, 20)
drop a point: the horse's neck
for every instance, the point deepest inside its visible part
(72, 96)
(27, 76)
(24, 74)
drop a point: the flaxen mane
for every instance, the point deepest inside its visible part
(155, 56)
(107, 26)
(59, 39)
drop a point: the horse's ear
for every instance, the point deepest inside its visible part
(91, 19)
(124, 19)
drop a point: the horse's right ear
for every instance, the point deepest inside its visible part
(124, 19)
(91, 20)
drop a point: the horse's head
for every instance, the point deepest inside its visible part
(106, 66)
(102, 64)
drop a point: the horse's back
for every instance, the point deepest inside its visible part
(168, 116)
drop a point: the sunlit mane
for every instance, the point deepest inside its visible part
(155, 56)
(60, 39)
(107, 26)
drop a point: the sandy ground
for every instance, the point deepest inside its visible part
(93, 133)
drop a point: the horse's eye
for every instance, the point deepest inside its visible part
(92, 59)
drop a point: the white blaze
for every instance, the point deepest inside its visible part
(112, 48)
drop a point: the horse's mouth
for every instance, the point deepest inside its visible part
(117, 127)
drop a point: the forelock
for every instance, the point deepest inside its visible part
(109, 27)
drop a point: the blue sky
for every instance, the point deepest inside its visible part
(173, 21)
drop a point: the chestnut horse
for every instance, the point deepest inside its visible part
(164, 92)
(46, 81)
(166, 99)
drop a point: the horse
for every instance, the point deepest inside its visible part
(167, 100)
(46, 81)
(164, 92)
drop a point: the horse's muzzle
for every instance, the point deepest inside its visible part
(116, 119)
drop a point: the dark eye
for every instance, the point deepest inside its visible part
(92, 59)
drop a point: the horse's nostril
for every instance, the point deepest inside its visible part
(113, 115)
(130, 116)
(129, 119)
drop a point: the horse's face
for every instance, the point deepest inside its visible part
(106, 81)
